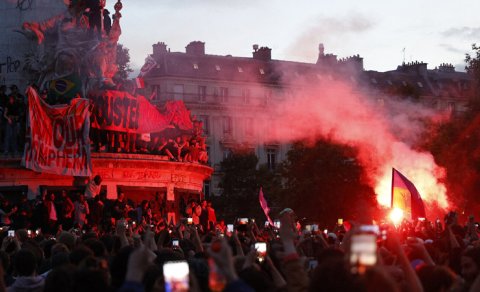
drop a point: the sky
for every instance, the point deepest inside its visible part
(431, 31)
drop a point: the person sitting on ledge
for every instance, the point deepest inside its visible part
(93, 187)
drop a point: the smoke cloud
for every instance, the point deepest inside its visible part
(333, 31)
(383, 130)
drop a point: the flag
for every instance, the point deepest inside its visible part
(139, 82)
(264, 205)
(62, 90)
(406, 197)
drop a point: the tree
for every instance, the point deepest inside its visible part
(324, 182)
(123, 63)
(455, 145)
(473, 68)
(241, 183)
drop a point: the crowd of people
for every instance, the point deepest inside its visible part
(12, 120)
(176, 146)
(94, 244)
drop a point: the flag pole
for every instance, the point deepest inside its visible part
(391, 193)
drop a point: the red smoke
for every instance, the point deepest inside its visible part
(383, 134)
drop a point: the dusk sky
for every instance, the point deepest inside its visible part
(431, 31)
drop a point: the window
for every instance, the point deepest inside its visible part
(240, 69)
(246, 95)
(226, 153)
(202, 93)
(195, 66)
(224, 94)
(451, 107)
(271, 158)
(249, 127)
(155, 93)
(208, 154)
(206, 188)
(227, 125)
(205, 121)
(178, 92)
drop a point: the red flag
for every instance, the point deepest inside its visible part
(264, 205)
(58, 137)
(405, 196)
(139, 82)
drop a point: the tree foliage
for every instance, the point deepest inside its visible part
(455, 144)
(123, 63)
(241, 183)
(324, 182)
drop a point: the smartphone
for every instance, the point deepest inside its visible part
(363, 252)
(277, 224)
(308, 228)
(252, 220)
(373, 229)
(267, 223)
(175, 243)
(421, 219)
(243, 221)
(189, 221)
(314, 227)
(37, 232)
(340, 221)
(261, 248)
(11, 233)
(229, 227)
(29, 232)
(312, 264)
(176, 276)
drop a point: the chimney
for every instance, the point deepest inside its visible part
(321, 50)
(159, 49)
(262, 53)
(195, 48)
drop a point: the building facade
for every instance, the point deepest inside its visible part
(231, 94)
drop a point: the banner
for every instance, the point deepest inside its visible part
(264, 205)
(58, 137)
(123, 112)
(406, 197)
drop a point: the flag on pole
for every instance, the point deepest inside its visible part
(406, 197)
(264, 205)
(139, 82)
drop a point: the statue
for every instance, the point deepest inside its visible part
(70, 46)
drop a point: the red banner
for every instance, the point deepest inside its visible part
(123, 112)
(58, 137)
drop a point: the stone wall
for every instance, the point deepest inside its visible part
(13, 45)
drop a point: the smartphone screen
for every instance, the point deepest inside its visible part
(373, 229)
(11, 233)
(308, 228)
(229, 227)
(261, 248)
(363, 252)
(243, 220)
(340, 221)
(176, 276)
(175, 243)
(315, 227)
(276, 223)
(190, 221)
